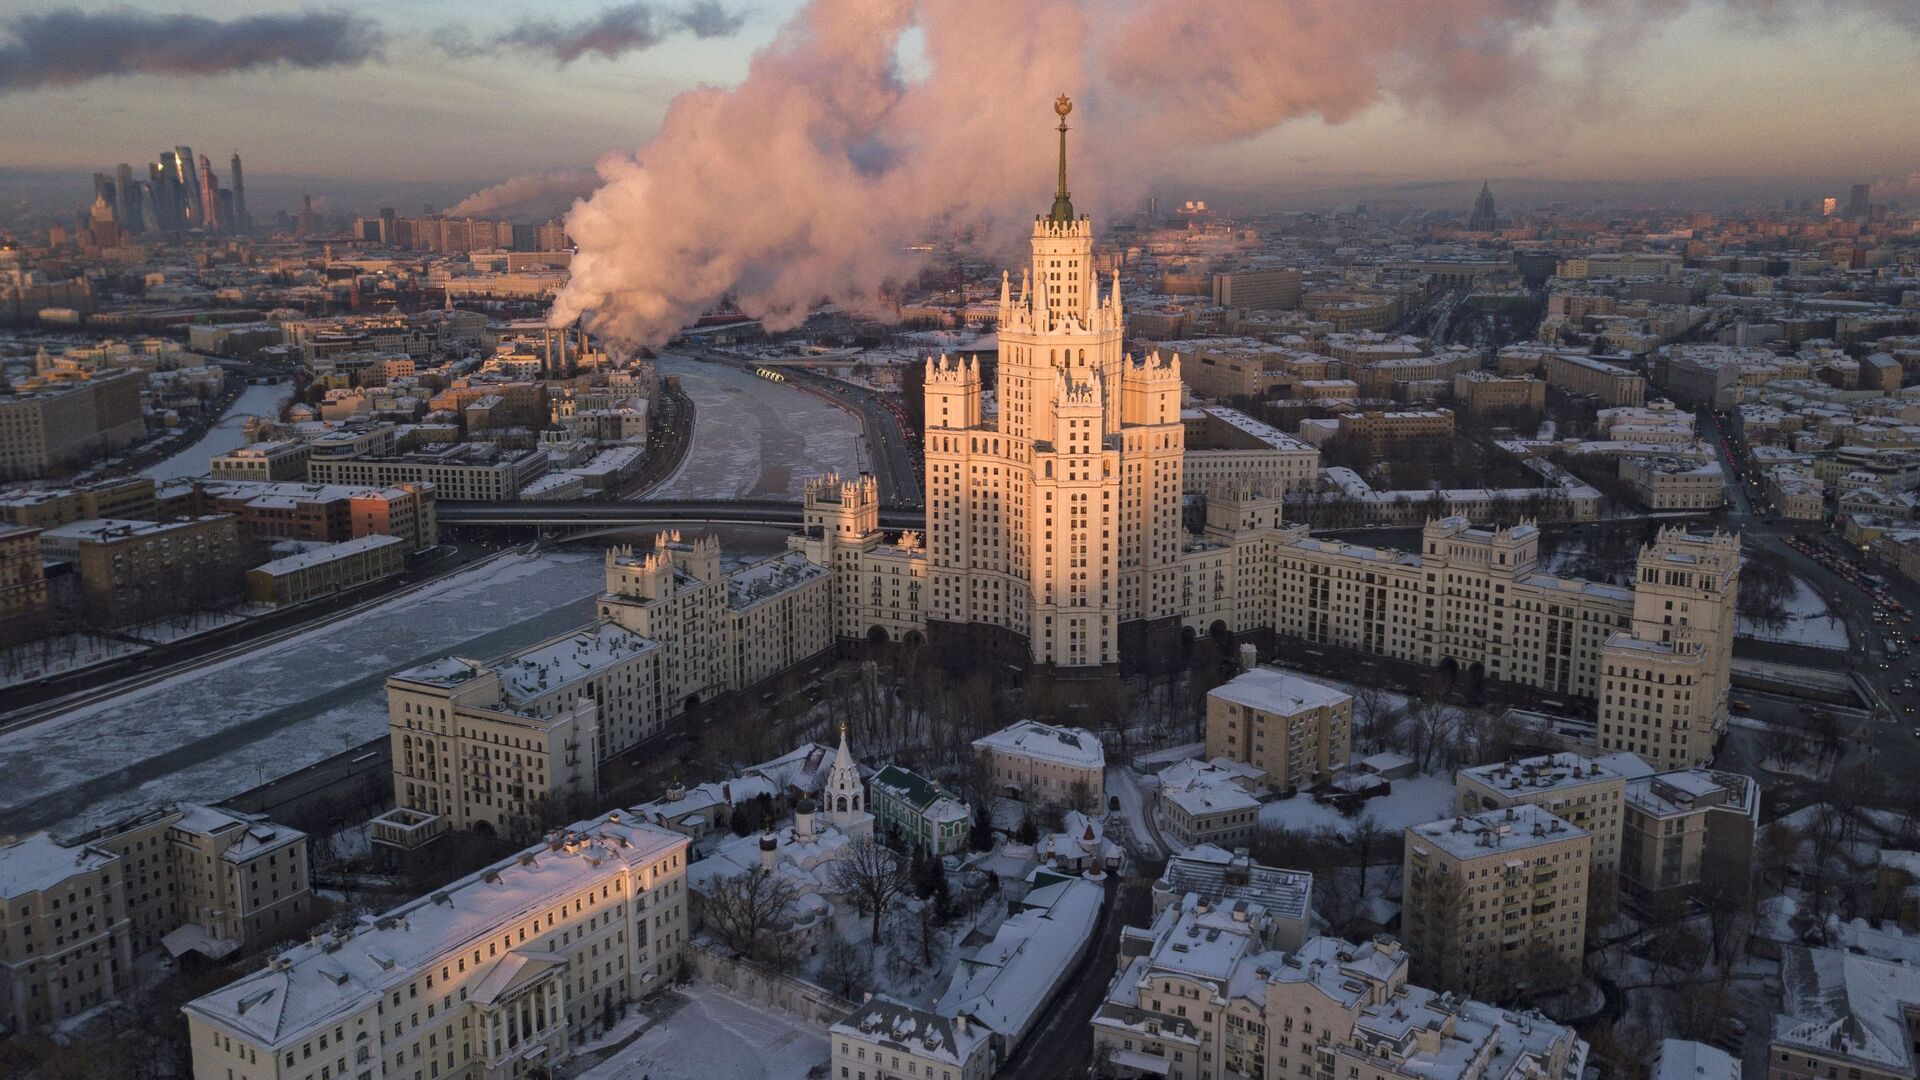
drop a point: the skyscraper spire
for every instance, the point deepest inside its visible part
(1062, 203)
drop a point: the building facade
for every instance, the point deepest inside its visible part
(1496, 900)
(492, 976)
(1296, 731)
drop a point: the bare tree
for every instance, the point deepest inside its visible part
(1374, 718)
(1369, 839)
(872, 875)
(845, 967)
(748, 909)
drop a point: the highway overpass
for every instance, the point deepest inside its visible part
(596, 516)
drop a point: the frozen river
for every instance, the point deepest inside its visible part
(227, 433)
(754, 438)
(213, 731)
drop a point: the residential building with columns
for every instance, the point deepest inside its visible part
(497, 975)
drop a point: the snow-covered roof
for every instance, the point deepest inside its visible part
(557, 663)
(1514, 828)
(1004, 983)
(1045, 742)
(1282, 693)
(1548, 772)
(326, 553)
(899, 1026)
(770, 578)
(1221, 877)
(1838, 1004)
(323, 981)
(35, 862)
(1684, 1059)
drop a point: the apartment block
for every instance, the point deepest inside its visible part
(59, 427)
(1588, 793)
(1844, 1015)
(1481, 392)
(1496, 900)
(78, 909)
(1682, 826)
(1583, 375)
(1276, 289)
(1226, 447)
(324, 512)
(23, 579)
(463, 472)
(498, 974)
(47, 507)
(1296, 731)
(265, 461)
(1222, 879)
(495, 745)
(120, 559)
(1200, 996)
(324, 569)
(1209, 802)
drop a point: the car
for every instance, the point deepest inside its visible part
(1113, 803)
(1738, 706)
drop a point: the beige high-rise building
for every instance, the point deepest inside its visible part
(1054, 527)
(1496, 899)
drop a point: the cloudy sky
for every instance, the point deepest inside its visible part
(419, 90)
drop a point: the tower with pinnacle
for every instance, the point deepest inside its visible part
(1483, 218)
(1054, 526)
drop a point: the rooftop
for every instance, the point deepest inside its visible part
(1515, 828)
(328, 979)
(1064, 745)
(1280, 692)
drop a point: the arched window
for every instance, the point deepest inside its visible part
(843, 804)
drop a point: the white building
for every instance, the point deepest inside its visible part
(1044, 763)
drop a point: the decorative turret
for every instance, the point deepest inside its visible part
(845, 794)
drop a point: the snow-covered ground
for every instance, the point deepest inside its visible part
(58, 655)
(208, 733)
(717, 1036)
(1415, 799)
(227, 433)
(1810, 622)
(755, 438)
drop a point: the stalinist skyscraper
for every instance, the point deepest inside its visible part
(1054, 527)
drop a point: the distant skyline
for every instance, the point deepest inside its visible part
(414, 92)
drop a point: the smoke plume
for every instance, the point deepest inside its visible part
(618, 30)
(802, 183)
(535, 197)
(67, 47)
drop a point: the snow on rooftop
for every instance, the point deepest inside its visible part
(1514, 828)
(38, 861)
(1282, 693)
(1030, 738)
(328, 979)
(562, 661)
(769, 578)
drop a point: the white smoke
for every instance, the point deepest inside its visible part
(803, 183)
(535, 197)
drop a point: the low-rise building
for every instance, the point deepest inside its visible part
(1296, 731)
(1844, 1014)
(886, 1038)
(1045, 764)
(1223, 878)
(1674, 483)
(1209, 802)
(918, 810)
(324, 569)
(494, 975)
(284, 459)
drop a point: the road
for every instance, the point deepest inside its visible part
(666, 445)
(1890, 745)
(646, 512)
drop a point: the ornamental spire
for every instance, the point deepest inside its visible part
(1062, 211)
